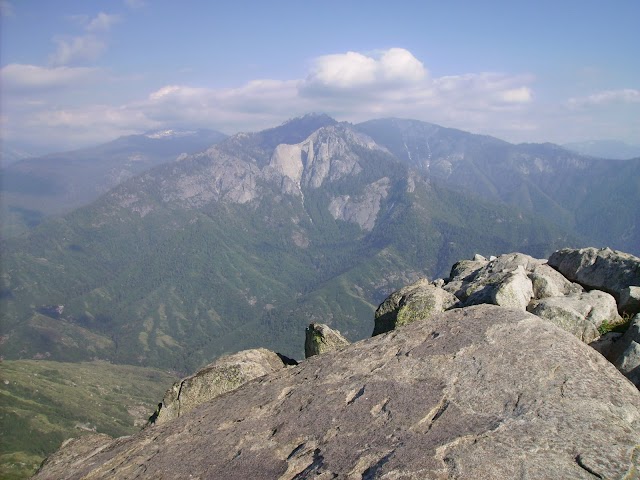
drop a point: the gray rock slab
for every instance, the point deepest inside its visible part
(515, 290)
(477, 393)
(225, 374)
(320, 338)
(606, 344)
(418, 301)
(548, 282)
(502, 281)
(603, 269)
(579, 314)
(625, 353)
(629, 302)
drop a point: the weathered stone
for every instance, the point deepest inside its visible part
(548, 282)
(630, 300)
(580, 314)
(502, 280)
(476, 393)
(320, 338)
(515, 291)
(223, 375)
(417, 301)
(461, 274)
(625, 353)
(606, 344)
(604, 269)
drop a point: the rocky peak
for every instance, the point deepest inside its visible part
(327, 154)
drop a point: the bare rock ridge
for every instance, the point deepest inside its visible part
(604, 269)
(479, 392)
(459, 386)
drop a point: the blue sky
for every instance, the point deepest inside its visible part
(77, 73)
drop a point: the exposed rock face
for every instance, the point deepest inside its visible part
(625, 354)
(580, 314)
(548, 282)
(364, 209)
(630, 300)
(418, 301)
(480, 392)
(503, 281)
(223, 375)
(605, 269)
(320, 338)
(326, 155)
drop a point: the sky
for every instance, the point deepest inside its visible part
(76, 73)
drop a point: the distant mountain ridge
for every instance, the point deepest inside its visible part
(566, 188)
(613, 149)
(243, 245)
(34, 188)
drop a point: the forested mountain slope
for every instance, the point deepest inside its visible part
(243, 245)
(595, 197)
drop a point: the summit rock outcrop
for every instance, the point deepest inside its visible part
(477, 392)
(615, 272)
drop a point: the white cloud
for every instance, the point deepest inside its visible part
(20, 78)
(518, 95)
(73, 50)
(351, 86)
(83, 48)
(102, 22)
(626, 95)
(353, 70)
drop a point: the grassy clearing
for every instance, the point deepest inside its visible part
(42, 403)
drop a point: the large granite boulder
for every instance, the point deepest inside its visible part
(320, 338)
(482, 392)
(502, 281)
(418, 301)
(603, 269)
(225, 374)
(581, 314)
(548, 282)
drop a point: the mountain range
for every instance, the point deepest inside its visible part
(246, 242)
(34, 188)
(614, 149)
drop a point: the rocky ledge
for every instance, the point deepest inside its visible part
(477, 391)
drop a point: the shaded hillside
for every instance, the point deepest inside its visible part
(595, 197)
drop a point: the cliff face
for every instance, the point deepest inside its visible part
(477, 392)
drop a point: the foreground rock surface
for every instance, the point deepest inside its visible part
(225, 374)
(604, 269)
(320, 338)
(480, 392)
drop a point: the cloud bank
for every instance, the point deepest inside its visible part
(352, 86)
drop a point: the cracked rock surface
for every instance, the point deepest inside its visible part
(480, 392)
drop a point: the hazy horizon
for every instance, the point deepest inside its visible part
(78, 73)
